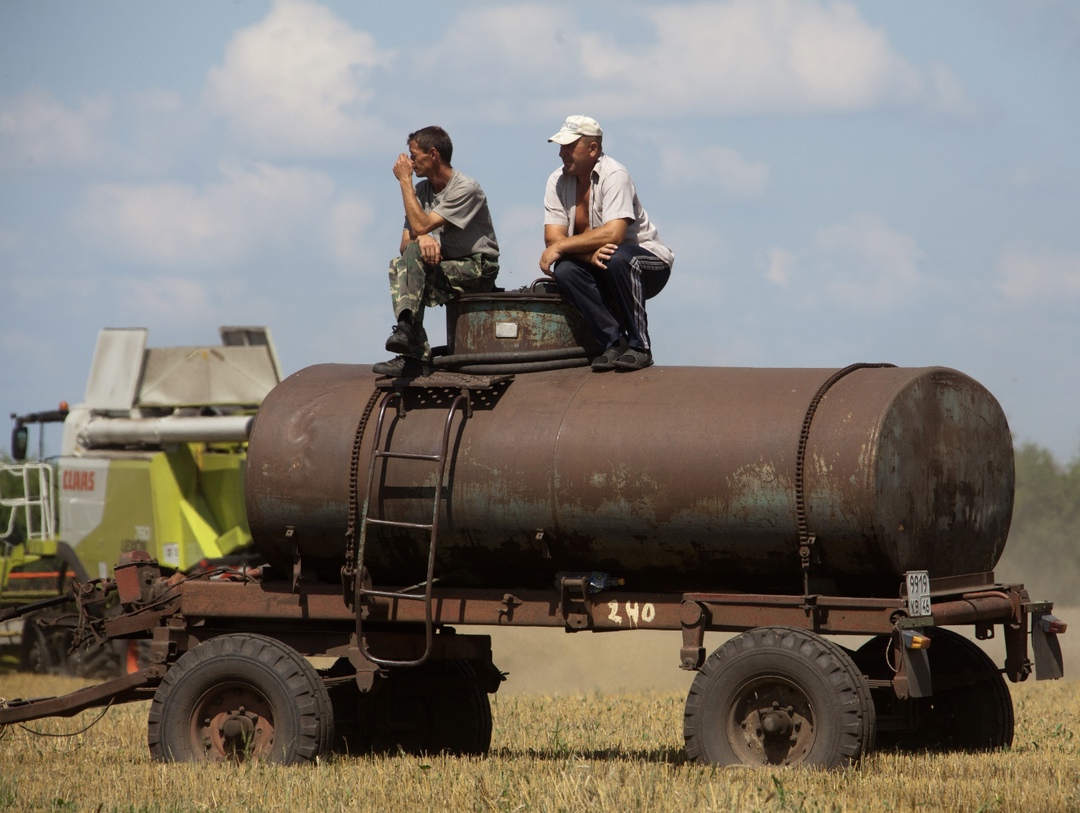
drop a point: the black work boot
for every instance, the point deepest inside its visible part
(606, 360)
(403, 339)
(403, 367)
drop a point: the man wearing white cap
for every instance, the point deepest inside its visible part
(602, 250)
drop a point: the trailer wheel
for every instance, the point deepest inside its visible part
(779, 696)
(448, 710)
(439, 707)
(240, 697)
(970, 710)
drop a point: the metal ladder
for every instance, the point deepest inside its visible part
(380, 449)
(35, 502)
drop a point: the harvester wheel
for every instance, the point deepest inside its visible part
(779, 696)
(970, 710)
(240, 697)
(43, 651)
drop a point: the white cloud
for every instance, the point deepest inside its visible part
(759, 56)
(861, 262)
(513, 56)
(722, 167)
(37, 130)
(708, 58)
(781, 266)
(165, 130)
(1027, 274)
(298, 82)
(164, 297)
(219, 225)
(349, 225)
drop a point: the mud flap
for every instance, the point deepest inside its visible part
(1045, 646)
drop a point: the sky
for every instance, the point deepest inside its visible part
(840, 181)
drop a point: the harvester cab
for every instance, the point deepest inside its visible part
(151, 459)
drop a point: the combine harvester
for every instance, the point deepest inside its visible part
(152, 459)
(514, 487)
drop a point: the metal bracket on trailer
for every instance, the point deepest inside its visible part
(1045, 646)
(694, 618)
(122, 689)
(913, 678)
(574, 603)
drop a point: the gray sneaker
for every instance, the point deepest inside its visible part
(403, 367)
(633, 360)
(606, 360)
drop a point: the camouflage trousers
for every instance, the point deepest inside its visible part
(415, 284)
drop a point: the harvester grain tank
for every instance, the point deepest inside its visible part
(513, 487)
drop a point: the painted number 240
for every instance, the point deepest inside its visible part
(637, 613)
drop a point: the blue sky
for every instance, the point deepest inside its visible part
(840, 181)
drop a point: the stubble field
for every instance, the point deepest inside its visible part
(584, 723)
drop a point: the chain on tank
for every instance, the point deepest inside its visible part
(348, 571)
(806, 539)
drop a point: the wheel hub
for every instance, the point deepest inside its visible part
(777, 724)
(771, 724)
(235, 724)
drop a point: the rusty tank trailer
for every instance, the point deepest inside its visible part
(514, 487)
(674, 478)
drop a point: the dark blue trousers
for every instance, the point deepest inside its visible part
(612, 299)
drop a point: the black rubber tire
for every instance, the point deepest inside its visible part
(779, 696)
(970, 710)
(43, 651)
(237, 681)
(439, 707)
(98, 661)
(452, 712)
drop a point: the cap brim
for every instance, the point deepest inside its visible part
(569, 136)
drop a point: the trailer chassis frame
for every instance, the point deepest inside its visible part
(314, 619)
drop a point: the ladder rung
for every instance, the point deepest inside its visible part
(396, 524)
(387, 594)
(440, 460)
(434, 458)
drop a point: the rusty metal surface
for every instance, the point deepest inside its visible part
(320, 605)
(676, 479)
(124, 689)
(514, 321)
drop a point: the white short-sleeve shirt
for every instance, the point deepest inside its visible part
(613, 197)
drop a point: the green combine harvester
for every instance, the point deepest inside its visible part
(152, 459)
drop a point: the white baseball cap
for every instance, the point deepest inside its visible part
(574, 128)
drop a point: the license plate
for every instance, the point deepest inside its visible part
(918, 593)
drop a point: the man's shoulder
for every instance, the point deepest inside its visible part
(608, 166)
(459, 180)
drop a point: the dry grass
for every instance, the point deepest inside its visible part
(570, 752)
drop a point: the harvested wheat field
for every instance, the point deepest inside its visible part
(554, 748)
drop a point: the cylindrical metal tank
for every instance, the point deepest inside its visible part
(673, 478)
